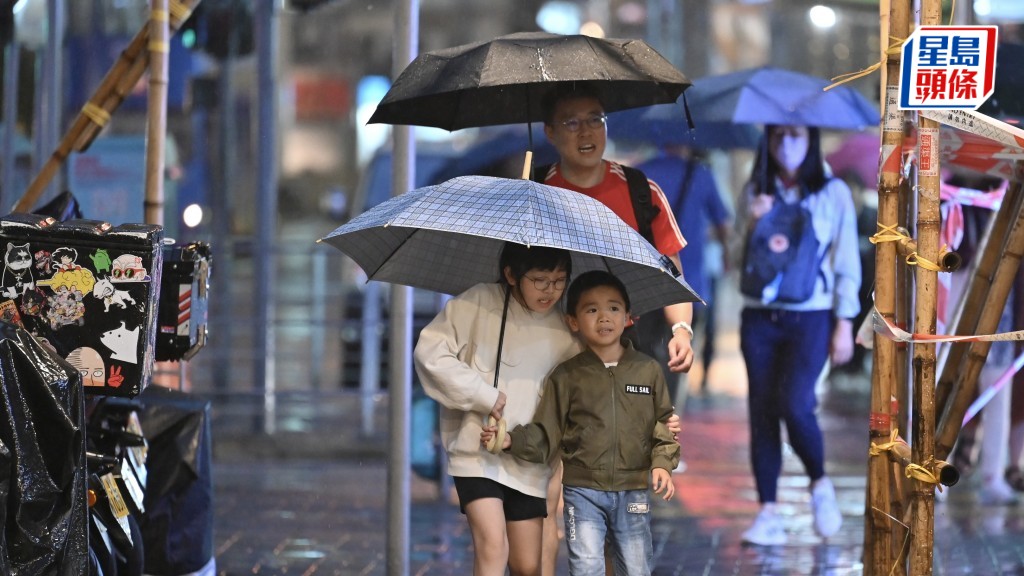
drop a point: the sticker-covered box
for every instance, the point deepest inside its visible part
(88, 289)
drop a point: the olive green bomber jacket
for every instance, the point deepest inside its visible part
(607, 424)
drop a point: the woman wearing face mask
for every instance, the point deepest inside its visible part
(786, 341)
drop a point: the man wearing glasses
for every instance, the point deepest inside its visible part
(575, 124)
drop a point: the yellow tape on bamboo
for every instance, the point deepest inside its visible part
(879, 449)
(159, 15)
(179, 11)
(924, 473)
(894, 48)
(97, 115)
(160, 47)
(915, 259)
(887, 234)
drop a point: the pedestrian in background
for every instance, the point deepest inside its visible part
(696, 203)
(603, 413)
(786, 344)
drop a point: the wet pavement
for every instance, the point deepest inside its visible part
(326, 514)
(311, 499)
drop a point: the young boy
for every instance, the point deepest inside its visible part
(604, 410)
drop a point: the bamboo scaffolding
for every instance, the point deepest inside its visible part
(948, 261)
(118, 82)
(901, 389)
(929, 220)
(965, 317)
(965, 385)
(899, 453)
(878, 525)
(156, 128)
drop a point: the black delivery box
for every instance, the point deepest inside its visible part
(88, 289)
(184, 293)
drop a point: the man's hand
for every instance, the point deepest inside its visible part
(674, 424)
(841, 348)
(662, 481)
(680, 352)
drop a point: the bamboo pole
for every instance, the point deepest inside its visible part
(108, 96)
(967, 380)
(948, 261)
(901, 454)
(878, 526)
(965, 317)
(901, 389)
(928, 222)
(156, 129)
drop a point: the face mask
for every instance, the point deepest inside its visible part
(791, 152)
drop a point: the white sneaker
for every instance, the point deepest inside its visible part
(827, 518)
(767, 530)
(997, 493)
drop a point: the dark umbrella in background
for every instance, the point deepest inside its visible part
(502, 81)
(776, 96)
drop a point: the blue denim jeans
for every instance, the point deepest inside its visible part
(624, 518)
(785, 352)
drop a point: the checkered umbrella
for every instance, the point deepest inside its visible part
(448, 237)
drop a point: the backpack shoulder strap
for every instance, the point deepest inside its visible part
(643, 206)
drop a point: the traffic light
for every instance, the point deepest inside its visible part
(220, 28)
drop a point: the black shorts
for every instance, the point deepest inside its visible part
(517, 506)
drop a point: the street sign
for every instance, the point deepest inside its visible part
(948, 67)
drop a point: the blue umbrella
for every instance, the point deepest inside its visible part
(448, 237)
(666, 125)
(775, 96)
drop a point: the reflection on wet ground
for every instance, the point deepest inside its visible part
(328, 515)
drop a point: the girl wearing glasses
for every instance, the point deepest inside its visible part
(503, 498)
(510, 504)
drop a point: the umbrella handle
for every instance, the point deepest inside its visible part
(528, 165)
(495, 443)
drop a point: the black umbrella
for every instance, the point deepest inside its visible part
(502, 81)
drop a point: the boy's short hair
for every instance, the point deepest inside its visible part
(589, 281)
(521, 259)
(566, 91)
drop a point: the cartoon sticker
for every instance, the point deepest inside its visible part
(9, 313)
(65, 307)
(128, 268)
(64, 258)
(100, 260)
(89, 364)
(81, 280)
(104, 290)
(17, 275)
(44, 262)
(122, 342)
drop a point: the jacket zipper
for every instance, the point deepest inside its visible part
(615, 429)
